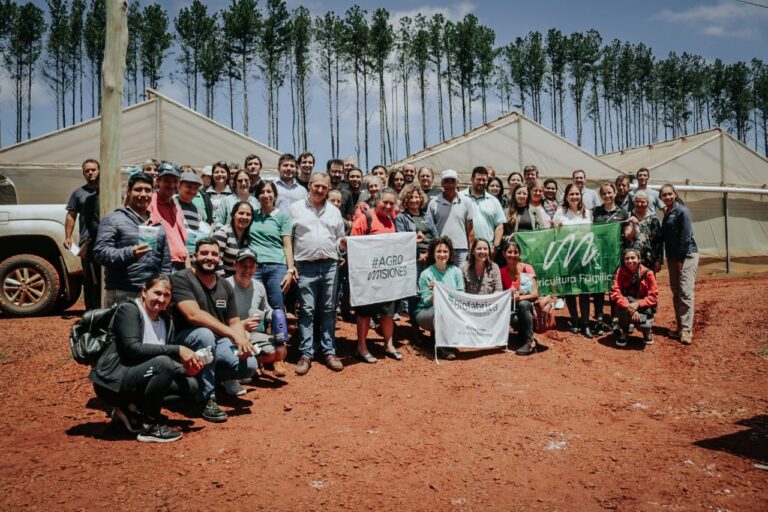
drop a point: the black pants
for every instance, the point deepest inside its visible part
(522, 320)
(583, 310)
(148, 383)
(91, 282)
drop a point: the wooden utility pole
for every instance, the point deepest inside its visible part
(113, 73)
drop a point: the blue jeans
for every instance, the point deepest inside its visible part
(317, 291)
(270, 275)
(225, 366)
(460, 256)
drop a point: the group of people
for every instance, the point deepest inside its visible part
(200, 263)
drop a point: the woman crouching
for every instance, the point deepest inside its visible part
(634, 296)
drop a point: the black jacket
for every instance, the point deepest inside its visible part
(127, 347)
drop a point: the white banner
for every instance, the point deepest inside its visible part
(381, 267)
(471, 321)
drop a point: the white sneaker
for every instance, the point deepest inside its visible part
(560, 304)
(232, 387)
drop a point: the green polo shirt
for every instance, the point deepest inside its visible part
(266, 235)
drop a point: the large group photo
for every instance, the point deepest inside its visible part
(557, 309)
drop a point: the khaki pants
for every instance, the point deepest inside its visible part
(682, 279)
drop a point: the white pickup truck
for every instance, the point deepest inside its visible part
(37, 274)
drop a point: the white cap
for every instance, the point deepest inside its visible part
(208, 170)
(449, 174)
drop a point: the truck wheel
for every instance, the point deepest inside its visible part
(30, 285)
(64, 302)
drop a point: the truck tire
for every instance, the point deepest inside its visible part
(29, 285)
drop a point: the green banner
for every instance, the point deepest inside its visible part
(572, 259)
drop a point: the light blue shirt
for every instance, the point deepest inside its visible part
(289, 194)
(488, 215)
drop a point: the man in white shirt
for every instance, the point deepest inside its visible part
(288, 189)
(589, 197)
(489, 218)
(318, 233)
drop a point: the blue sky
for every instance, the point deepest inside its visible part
(724, 29)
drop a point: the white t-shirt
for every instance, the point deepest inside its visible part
(154, 330)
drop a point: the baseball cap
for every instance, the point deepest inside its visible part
(207, 170)
(449, 174)
(191, 177)
(167, 168)
(244, 253)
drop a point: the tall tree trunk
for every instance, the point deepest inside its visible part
(336, 107)
(407, 123)
(231, 101)
(423, 98)
(441, 119)
(244, 77)
(330, 108)
(365, 115)
(29, 100)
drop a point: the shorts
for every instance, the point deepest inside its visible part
(380, 308)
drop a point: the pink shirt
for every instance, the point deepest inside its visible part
(172, 219)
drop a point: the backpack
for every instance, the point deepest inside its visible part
(92, 334)
(544, 314)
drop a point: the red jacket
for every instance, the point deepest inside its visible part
(647, 293)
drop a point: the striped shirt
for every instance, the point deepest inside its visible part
(229, 246)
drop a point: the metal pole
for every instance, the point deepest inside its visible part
(727, 239)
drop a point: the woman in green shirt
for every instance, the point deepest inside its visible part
(270, 239)
(440, 259)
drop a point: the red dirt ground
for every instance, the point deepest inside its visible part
(582, 426)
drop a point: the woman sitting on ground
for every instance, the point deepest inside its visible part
(521, 279)
(380, 222)
(440, 269)
(481, 275)
(141, 367)
(634, 296)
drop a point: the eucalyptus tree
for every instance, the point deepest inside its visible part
(74, 53)
(301, 42)
(419, 53)
(485, 54)
(739, 98)
(382, 40)
(212, 63)
(760, 99)
(242, 23)
(327, 35)
(436, 51)
(582, 55)
(717, 93)
(404, 67)
(23, 49)
(132, 55)
(536, 70)
(557, 54)
(55, 71)
(449, 36)
(194, 27)
(355, 36)
(513, 61)
(95, 32)
(464, 51)
(155, 42)
(272, 51)
(7, 16)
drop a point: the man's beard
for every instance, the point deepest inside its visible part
(201, 270)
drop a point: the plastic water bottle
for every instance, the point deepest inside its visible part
(205, 355)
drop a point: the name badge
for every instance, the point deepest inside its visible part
(221, 304)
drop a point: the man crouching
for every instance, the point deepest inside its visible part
(206, 316)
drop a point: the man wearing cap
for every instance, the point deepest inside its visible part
(163, 209)
(205, 315)
(254, 311)
(488, 222)
(288, 190)
(451, 215)
(84, 202)
(194, 217)
(207, 176)
(318, 233)
(128, 262)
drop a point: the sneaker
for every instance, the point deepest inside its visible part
(621, 341)
(130, 419)
(647, 336)
(396, 317)
(158, 433)
(280, 369)
(686, 337)
(233, 387)
(600, 328)
(302, 367)
(333, 363)
(559, 304)
(447, 353)
(211, 411)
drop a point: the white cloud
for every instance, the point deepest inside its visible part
(454, 12)
(723, 19)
